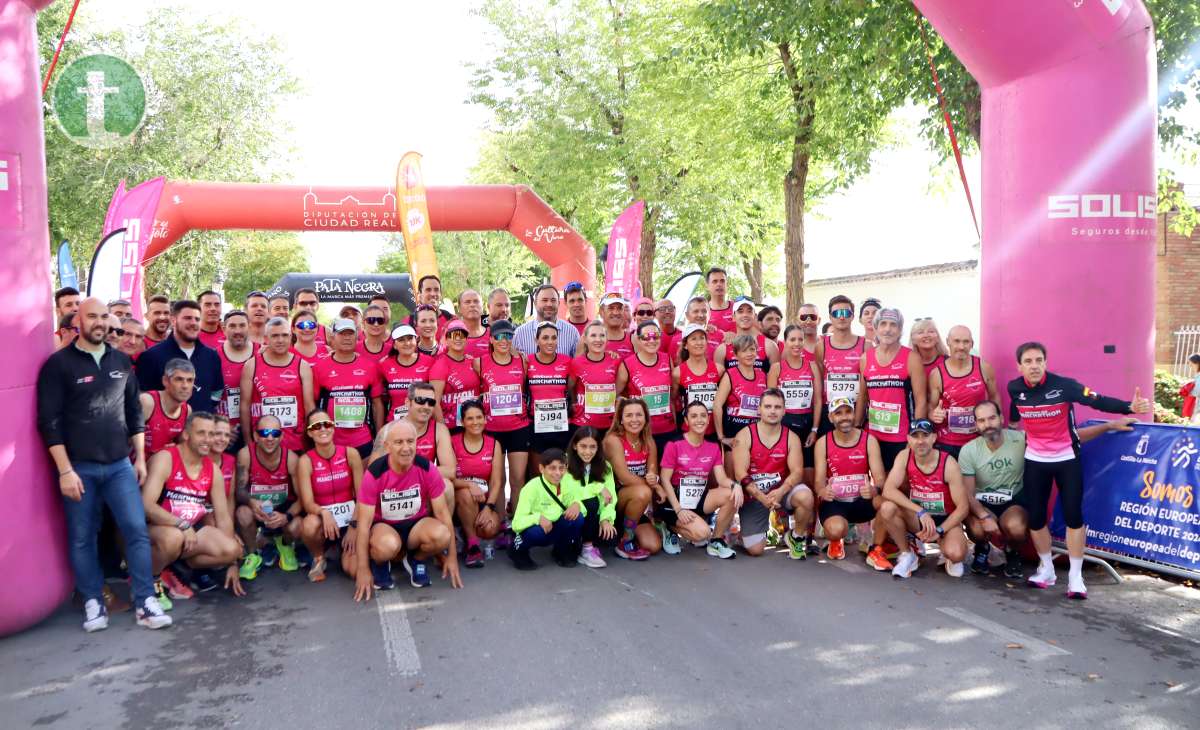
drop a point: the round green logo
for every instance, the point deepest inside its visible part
(99, 101)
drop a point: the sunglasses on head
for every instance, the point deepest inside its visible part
(423, 400)
(842, 313)
(645, 313)
(376, 320)
(809, 318)
(320, 425)
(270, 433)
(426, 308)
(573, 286)
(306, 324)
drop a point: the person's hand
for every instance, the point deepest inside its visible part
(812, 439)
(1125, 423)
(989, 524)
(726, 441)
(827, 494)
(329, 525)
(189, 540)
(450, 570)
(606, 497)
(275, 520)
(71, 486)
(651, 479)
(1140, 404)
(349, 541)
(739, 496)
(928, 531)
(363, 586)
(233, 581)
(685, 517)
(479, 496)
(484, 520)
(256, 508)
(607, 531)
(139, 470)
(572, 511)
(865, 491)
(546, 524)
(775, 498)
(938, 415)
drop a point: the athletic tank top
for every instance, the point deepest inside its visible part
(652, 383)
(889, 396)
(474, 467)
(184, 496)
(622, 348)
(580, 326)
(933, 365)
(760, 358)
(461, 384)
(959, 398)
(768, 464)
(270, 485)
(344, 391)
(635, 461)
(212, 339)
(502, 388)
(229, 472)
(231, 376)
(162, 431)
(847, 467)
(797, 384)
(841, 370)
(396, 379)
(279, 392)
(362, 349)
(548, 393)
(722, 319)
(321, 353)
(477, 347)
(427, 442)
(741, 406)
(332, 481)
(930, 491)
(595, 390)
(702, 387)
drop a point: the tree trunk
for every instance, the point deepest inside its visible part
(754, 274)
(646, 250)
(794, 184)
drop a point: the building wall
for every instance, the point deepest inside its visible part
(1177, 291)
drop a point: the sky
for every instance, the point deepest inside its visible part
(382, 77)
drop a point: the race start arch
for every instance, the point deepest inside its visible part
(348, 287)
(1069, 107)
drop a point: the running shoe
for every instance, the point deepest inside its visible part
(504, 539)
(150, 614)
(269, 554)
(250, 565)
(836, 550)
(718, 549)
(287, 556)
(521, 559)
(630, 551)
(474, 556)
(954, 569)
(979, 564)
(418, 572)
(890, 551)
(670, 541)
(204, 581)
(160, 593)
(1079, 593)
(316, 573)
(565, 558)
(906, 565)
(304, 558)
(176, 589)
(381, 576)
(795, 546)
(917, 546)
(95, 616)
(1044, 577)
(878, 559)
(590, 557)
(811, 547)
(1012, 565)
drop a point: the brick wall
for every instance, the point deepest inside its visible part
(1177, 290)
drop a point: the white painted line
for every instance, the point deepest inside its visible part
(397, 634)
(1037, 648)
(850, 566)
(1169, 632)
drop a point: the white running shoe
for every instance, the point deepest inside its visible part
(95, 616)
(1076, 588)
(151, 615)
(719, 549)
(670, 541)
(906, 564)
(1044, 577)
(590, 557)
(954, 569)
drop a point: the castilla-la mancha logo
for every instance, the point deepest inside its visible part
(99, 101)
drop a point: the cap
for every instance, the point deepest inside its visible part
(456, 324)
(612, 299)
(543, 325)
(870, 302)
(341, 324)
(691, 328)
(403, 330)
(890, 314)
(501, 326)
(920, 424)
(349, 308)
(837, 403)
(743, 299)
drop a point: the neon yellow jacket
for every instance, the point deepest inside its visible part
(593, 489)
(535, 503)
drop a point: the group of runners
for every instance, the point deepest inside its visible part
(261, 437)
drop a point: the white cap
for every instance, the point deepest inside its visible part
(403, 330)
(613, 299)
(342, 324)
(691, 327)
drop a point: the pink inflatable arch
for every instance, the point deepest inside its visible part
(1068, 146)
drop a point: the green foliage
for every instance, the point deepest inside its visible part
(261, 258)
(1166, 390)
(213, 93)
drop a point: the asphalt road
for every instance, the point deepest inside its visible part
(687, 641)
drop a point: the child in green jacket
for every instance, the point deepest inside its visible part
(589, 473)
(549, 512)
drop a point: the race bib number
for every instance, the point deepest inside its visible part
(599, 398)
(185, 506)
(550, 416)
(349, 411)
(398, 505)
(342, 512)
(884, 417)
(748, 405)
(282, 407)
(691, 490)
(797, 395)
(706, 393)
(506, 400)
(960, 419)
(276, 494)
(997, 496)
(841, 385)
(658, 399)
(478, 483)
(766, 482)
(847, 487)
(932, 502)
(400, 412)
(233, 402)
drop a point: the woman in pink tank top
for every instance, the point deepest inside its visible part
(327, 479)
(478, 482)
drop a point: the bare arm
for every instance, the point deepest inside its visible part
(447, 463)
(156, 477)
(860, 398)
(246, 389)
(958, 492)
(896, 479)
(920, 388)
(616, 457)
(304, 485)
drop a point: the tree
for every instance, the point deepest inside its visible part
(213, 95)
(261, 259)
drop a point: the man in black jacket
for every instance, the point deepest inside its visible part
(184, 341)
(89, 416)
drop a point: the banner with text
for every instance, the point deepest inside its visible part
(413, 210)
(1139, 496)
(624, 248)
(67, 276)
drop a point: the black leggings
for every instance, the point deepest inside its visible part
(591, 521)
(1039, 477)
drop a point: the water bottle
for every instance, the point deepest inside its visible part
(267, 506)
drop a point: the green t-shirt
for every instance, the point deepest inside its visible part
(998, 474)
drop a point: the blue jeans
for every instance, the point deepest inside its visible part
(116, 485)
(562, 533)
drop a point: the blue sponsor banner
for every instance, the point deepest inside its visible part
(1139, 494)
(66, 267)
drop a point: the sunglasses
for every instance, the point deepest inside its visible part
(319, 426)
(376, 320)
(923, 319)
(269, 433)
(650, 337)
(502, 336)
(117, 331)
(306, 324)
(573, 286)
(645, 313)
(842, 313)
(809, 318)
(423, 400)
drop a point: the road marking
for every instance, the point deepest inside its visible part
(1169, 632)
(850, 566)
(397, 634)
(610, 576)
(1037, 648)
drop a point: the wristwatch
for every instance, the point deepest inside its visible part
(183, 524)
(489, 505)
(353, 523)
(940, 530)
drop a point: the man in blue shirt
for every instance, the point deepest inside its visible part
(184, 342)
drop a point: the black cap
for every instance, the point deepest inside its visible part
(920, 424)
(501, 326)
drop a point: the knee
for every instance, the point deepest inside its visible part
(169, 542)
(385, 544)
(756, 549)
(231, 550)
(463, 498)
(887, 510)
(437, 538)
(835, 528)
(955, 550)
(310, 527)
(244, 516)
(802, 499)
